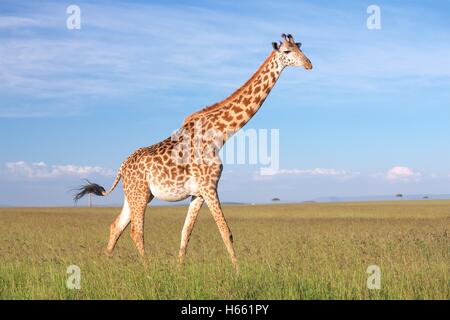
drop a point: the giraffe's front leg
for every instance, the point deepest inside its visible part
(194, 209)
(212, 200)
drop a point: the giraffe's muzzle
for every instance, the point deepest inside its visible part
(308, 64)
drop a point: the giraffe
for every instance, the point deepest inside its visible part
(187, 163)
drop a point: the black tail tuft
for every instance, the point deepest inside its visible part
(88, 188)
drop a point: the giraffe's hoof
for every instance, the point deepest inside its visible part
(181, 266)
(108, 253)
(145, 262)
(236, 268)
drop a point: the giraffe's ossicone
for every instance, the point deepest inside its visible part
(187, 164)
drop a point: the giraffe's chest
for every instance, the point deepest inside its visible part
(172, 190)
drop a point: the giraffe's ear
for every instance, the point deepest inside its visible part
(299, 44)
(275, 46)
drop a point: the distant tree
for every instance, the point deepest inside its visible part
(275, 199)
(425, 197)
(399, 195)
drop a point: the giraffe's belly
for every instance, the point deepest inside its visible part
(173, 192)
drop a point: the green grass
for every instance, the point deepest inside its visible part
(304, 251)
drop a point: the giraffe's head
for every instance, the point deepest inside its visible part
(289, 53)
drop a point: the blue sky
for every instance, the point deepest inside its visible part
(371, 118)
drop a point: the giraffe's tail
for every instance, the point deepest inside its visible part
(96, 189)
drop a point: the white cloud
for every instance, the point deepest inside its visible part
(39, 170)
(315, 172)
(400, 173)
(14, 22)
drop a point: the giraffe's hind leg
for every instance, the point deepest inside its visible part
(117, 227)
(138, 200)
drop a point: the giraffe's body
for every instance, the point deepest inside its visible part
(187, 163)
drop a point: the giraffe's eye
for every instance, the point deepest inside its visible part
(286, 52)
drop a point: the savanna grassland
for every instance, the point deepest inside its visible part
(298, 251)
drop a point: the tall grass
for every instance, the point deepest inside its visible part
(305, 251)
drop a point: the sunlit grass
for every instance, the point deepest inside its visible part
(305, 251)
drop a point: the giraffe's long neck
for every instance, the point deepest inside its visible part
(231, 114)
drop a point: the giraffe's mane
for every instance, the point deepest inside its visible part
(235, 94)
